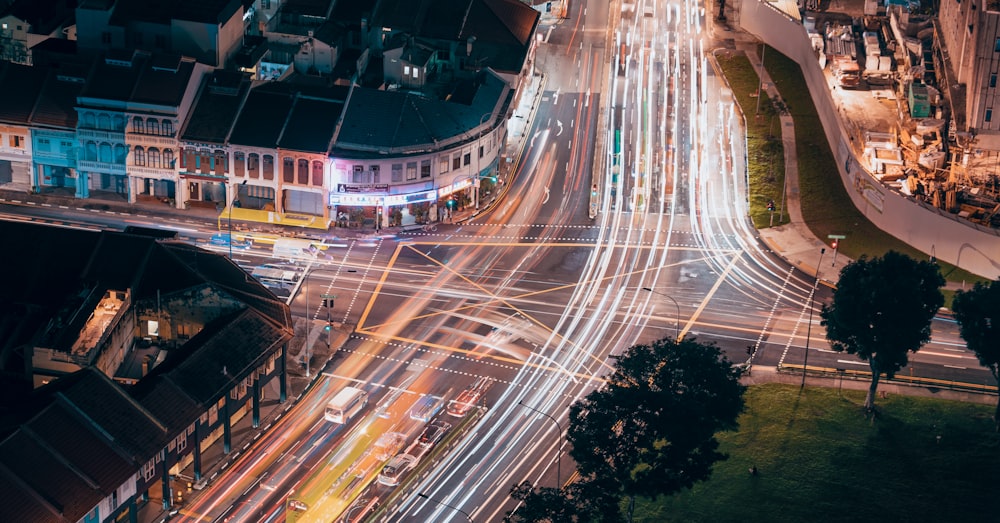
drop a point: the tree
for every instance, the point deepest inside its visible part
(882, 310)
(578, 502)
(651, 429)
(978, 315)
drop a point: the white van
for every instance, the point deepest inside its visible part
(346, 404)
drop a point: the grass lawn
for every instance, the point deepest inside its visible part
(820, 459)
(826, 206)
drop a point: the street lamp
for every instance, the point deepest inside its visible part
(443, 504)
(677, 324)
(558, 443)
(812, 300)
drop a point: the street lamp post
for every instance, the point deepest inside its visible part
(443, 504)
(677, 324)
(812, 299)
(558, 443)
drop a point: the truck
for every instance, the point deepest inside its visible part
(346, 404)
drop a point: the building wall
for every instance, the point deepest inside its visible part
(15, 157)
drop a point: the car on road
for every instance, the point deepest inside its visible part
(223, 239)
(433, 433)
(426, 407)
(468, 398)
(396, 467)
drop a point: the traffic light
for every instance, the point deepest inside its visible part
(451, 203)
(326, 303)
(770, 205)
(834, 244)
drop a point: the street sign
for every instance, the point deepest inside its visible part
(836, 236)
(328, 296)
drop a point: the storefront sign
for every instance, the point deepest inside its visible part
(362, 187)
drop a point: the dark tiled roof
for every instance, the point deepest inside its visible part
(263, 116)
(377, 120)
(20, 85)
(351, 13)
(47, 484)
(162, 11)
(193, 377)
(502, 28)
(163, 81)
(137, 436)
(310, 125)
(151, 79)
(216, 107)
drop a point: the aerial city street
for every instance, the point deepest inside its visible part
(356, 262)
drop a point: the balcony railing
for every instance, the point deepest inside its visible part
(111, 168)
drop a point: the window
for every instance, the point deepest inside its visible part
(303, 172)
(317, 173)
(118, 123)
(104, 153)
(253, 165)
(375, 173)
(121, 154)
(989, 114)
(239, 164)
(288, 170)
(154, 157)
(425, 168)
(444, 165)
(168, 128)
(88, 121)
(137, 125)
(152, 126)
(467, 159)
(16, 141)
(996, 46)
(411, 171)
(416, 72)
(148, 470)
(480, 151)
(993, 80)
(456, 162)
(139, 157)
(221, 164)
(44, 145)
(397, 172)
(168, 158)
(358, 174)
(104, 122)
(406, 70)
(267, 167)
(90, 152)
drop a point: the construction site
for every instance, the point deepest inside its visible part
(882, 72)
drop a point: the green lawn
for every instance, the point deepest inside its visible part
(826, 207)
(820, 459)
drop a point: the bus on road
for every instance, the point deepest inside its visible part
(346, 404)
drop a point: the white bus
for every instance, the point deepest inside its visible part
(346, 404)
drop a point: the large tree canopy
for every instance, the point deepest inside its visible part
(978, 315)
(651, 429)
(882, 310)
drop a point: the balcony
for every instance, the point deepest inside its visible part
(158, 173)
(102, 167)
(151, 140)
(98, 134)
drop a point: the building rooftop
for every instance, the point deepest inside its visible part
(263, 116)
(216, 107)
(20, 85)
